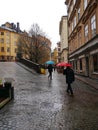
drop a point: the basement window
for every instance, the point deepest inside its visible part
(95, 62)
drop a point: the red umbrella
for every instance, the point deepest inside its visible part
(68, 65)
(61, 64)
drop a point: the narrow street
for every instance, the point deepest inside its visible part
(43, 104)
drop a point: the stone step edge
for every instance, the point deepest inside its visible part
(4, 102)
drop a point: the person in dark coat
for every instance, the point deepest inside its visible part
(69, 78)
(50, 70)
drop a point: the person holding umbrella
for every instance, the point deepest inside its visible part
(70, 78)
(50, 70)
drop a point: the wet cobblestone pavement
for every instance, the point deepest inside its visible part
(43, 104)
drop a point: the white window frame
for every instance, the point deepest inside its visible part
(74, 1)
(85, 4)
(74, 21)
(93, 25)
(79, 15)
(86, 32)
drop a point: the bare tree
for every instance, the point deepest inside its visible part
(24, 45)
(40, 44)
(36, 30)
(34, 45)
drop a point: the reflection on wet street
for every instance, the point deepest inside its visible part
(43, 104)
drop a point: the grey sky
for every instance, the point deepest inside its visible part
(46, 13)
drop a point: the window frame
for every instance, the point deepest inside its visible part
(2, 49)
(86, 32)
(93, 25)
(85, 4)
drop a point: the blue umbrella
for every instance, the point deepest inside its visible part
(50, 62)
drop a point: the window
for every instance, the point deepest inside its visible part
(79, 39)
(79, 14)
(2, 33)
(74, 21)
(15, 50)
(15, 43)
(74, 1)
(76, 65)
(93, 25)
(71, 8)
(85, 4)
(15, 36)
(2, 40)
(80, 64)
(95, 62)
(8, 49)
(75, 44)
(86, 33)
(7, 41)
(2, 49)
(7, 34)
(72, 26)
(58, 49)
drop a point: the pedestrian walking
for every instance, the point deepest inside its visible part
(69, 78)
(50, 70)
(54, 68)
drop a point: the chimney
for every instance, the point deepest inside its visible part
(12, 25)
(18, 28)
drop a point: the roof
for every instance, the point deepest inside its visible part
(9, 29)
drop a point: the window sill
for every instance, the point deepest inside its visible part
(81, 71)
(95, 73)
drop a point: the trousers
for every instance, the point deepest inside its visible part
(69, 88)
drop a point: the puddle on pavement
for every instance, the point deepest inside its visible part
(57, 106)
(52, 106)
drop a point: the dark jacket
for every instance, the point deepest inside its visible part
(69, 75)
(50, 68)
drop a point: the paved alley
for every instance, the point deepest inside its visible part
(43, 104)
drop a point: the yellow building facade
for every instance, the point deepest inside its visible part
(83, 36)
(54, 55)
(9, 35)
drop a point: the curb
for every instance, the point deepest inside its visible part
(4, 102)
(88, 82)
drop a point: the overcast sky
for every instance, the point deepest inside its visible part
(46, 13)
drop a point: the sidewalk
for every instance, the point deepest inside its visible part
(91, 82)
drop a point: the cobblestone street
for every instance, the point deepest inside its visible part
(43, 104)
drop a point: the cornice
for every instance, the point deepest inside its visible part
(90, 45)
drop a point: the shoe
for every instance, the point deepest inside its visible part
(71, 94)
(67, 91)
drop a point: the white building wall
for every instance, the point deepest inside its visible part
(64, 38)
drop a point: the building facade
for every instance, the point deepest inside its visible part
(14, 44)
(9, 34)
(83, 36)
(54, 55)
(59, 52)
(63, 32)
